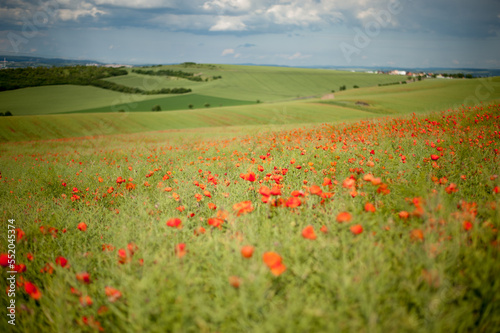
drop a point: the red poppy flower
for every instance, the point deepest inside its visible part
(112, 293)
(403, 215)
(61, 261)
(4, 260)
(86, 301)
(369, 207)
(417, 235)
(293, 202)
(82, 226)
(215, 222)
(180, 250)
(434, 157)
(274, 262)
(83, 277)
(234, 281)
(467, 225)
(243, 207)
(247, 251)
(32, 290)
(308, 232)
(356, 229)
(315, 190)
(175, 223)
(344, 217)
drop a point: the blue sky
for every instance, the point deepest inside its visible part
(394, 33)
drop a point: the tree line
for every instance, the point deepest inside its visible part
(17, 78)
(174, 73)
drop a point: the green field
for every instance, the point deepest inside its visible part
(240, 84)
(377, 210)
(377, 225)
(428, 95)
(169, 103)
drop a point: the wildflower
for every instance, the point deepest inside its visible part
(234, 281)
(293, 202)
(82, 226)
(112, 293)
(315, 190)
(86, 301)
(247, 251)
(180, 250)
(61, 261)
(369, 207)
(4, 260)
(274, 262)
(175, 223)
(403, 215)
(467, 225)
(344, 217)
(83, 277)
(416, 235)
(243, 207)
(32, 290)
(215, 222)
(308, 233)
(356, 229)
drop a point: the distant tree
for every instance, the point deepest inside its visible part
(156, 108)
(190, 106)
(342, 88)
(333, 90)
(8, 113)
(258, 101)
(121, 110)
(207, 105)
(1, 114)
(419, 78)
(468, 76)
(355, 86)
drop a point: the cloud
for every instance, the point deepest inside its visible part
(228, 23)
(244, 17)
(227, 51)
(74, 14)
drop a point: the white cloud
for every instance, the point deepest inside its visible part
(228, 23)
(74, 14)
(228, 5)
(227, 51)
(137, 3)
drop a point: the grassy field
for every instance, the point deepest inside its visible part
(377, 225)
(239, 85)
(430, 95)
(170, 103)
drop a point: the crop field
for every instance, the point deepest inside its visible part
(239, 85)
(385, 224)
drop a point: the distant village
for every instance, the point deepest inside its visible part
(421, 75)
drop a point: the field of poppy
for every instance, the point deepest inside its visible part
(387, 224)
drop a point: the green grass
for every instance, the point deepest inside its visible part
(60, 99)
(424, 273)
(90, 124)
(169, 103)
(241, 83)
(428, 95)
(416, 97)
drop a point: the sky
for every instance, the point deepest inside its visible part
(384, 33)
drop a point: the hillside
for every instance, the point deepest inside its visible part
(241, 84)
